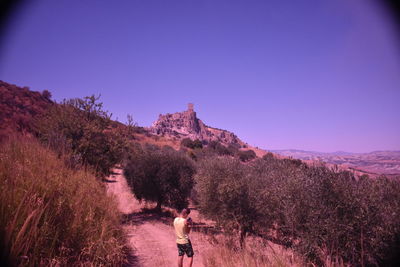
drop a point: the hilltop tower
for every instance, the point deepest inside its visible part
(191, 107)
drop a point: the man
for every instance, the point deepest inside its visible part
(182, 225)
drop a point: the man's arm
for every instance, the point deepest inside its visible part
(188, 224)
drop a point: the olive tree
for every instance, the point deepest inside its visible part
(164, 176)
(225, 194)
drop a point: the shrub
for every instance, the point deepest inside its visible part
(197, 144)
(246, 155)
(161, 175)
(268, 156)
(52, 215)
(81, 127)
(218, 148)
(193, 144)
(233, 149)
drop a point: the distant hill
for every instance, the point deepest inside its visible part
(376, 162)
(19, 105)
(185, 124)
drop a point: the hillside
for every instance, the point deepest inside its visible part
(186, 125)
(19, 106)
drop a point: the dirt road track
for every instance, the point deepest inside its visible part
(150, 238)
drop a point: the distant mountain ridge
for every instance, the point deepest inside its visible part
(375, 162)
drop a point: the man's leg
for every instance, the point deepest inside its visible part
(189, 253)
(180, 261)
(190, 261)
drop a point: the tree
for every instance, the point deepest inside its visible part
(164, 176)
(46, 94)
(225, 194)
(81, 128)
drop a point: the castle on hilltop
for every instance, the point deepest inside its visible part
(186, 125)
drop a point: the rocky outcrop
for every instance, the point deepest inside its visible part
(186, 125)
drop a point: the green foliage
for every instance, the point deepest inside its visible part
(46, 94)
(317, 211)
(161, 175)
(321, 212)
(82, 128)
(225, 194)
(218, 148)
(268, 156)
(51, 215)
(246, 155)
(193, 144)
(233, 149)
(354, 219)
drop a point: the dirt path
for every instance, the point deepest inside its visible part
(151, 238)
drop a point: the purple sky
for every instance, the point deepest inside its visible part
(313, 75)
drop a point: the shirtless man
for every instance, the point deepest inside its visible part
(182, 225)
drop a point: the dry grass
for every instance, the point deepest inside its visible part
(257, 253)
(159, 141)
(223, 251)
(52, 215)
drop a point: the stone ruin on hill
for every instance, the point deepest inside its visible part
(186, 125)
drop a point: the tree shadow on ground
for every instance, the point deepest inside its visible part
(148, 215)
(166, 217)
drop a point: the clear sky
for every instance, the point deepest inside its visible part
(313, 75)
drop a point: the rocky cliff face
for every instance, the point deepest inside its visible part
(186, 125)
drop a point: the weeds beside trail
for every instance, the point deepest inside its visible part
(257, 254)
(52, 215)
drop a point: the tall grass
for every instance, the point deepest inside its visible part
(52, 215)
(256, 253)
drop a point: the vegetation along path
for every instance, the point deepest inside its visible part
(150, 237)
